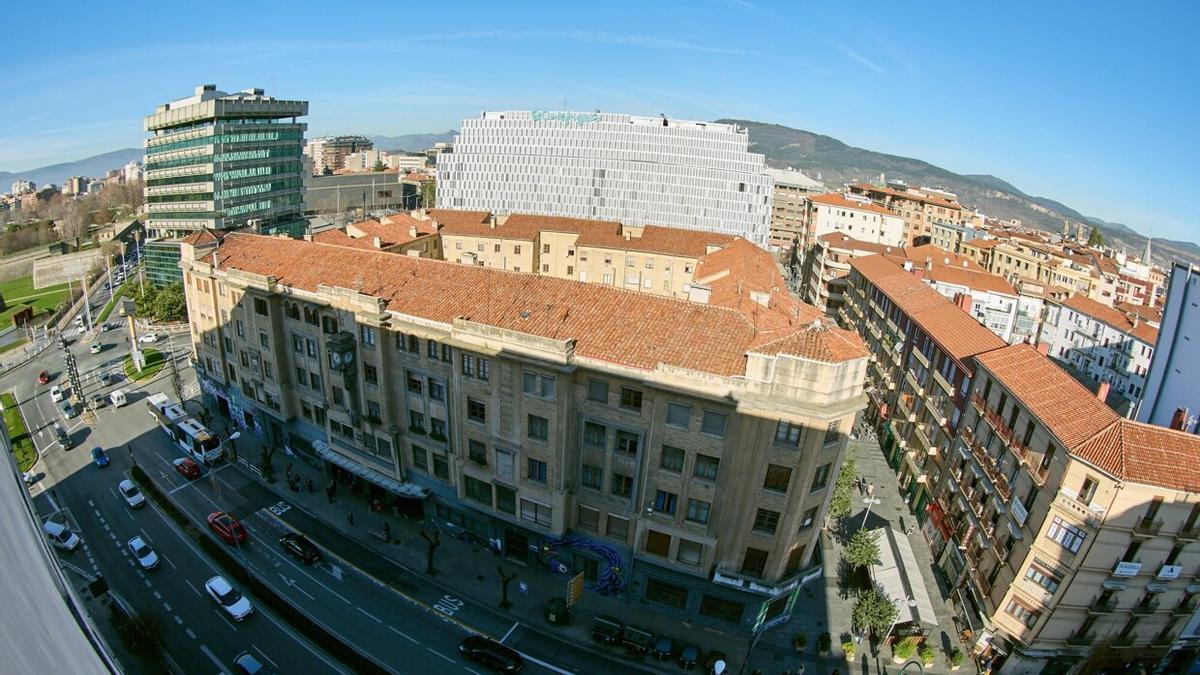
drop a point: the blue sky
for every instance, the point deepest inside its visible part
(1094, 104)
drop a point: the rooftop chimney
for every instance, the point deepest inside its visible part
(1102, 391)
(376, 242)
(492, 221)
(907, 265)
(963, 301)
(412, 231)
(928, 263)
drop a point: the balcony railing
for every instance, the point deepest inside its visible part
(990, 468)
(1189, 533)
(1185, 607)
(1002, 430)
(1124, 640)
(1082, 638)
(1102, 605)
(1147, 527)
(1146, 607)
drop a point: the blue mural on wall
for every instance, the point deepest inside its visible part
(610, 581)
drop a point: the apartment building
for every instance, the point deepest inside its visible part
(1061, 529)
(920, 208)
(950, 236)
(1171, 397)
(789, 206)
(328, 153)
(414, 234)
(1103, 343)
(677, 452)
(852, 215)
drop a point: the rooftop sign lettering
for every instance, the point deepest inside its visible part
(568, 117)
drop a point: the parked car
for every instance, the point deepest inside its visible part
(63, 438)
(146, 557)
(95, 348)
(44, 377)
(249, 665)
(61, 536)
(607, 629)
(97, 402)
(636, 640)
(106, 378)
(99, 457)
(688, 656)
(229, 598)
(148, 338)
(133, 497)
(490, 653)
(664, 648)
(56, 394)
(187, 467)
(226, 527)
(298, 545)
(118, 398)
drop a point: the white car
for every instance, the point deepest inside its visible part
(61, 536)
(229, 598)
(133, 497)
(148, 337)
(56, 394)
(95, 348)
(146, 557)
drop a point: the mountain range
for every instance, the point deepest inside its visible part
(833, 161)
(837, 163)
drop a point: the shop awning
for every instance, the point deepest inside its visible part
(898, 574)
(392, 485)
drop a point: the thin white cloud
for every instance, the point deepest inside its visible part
(852, 54)
(595, 37)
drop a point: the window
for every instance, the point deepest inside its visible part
(621, 485)
(420, 458)
(314, 381)
(1087, 491)
(535, 512)
(545, 248)
(431, 349)
(593, 476)
(754, 563)
(368, 336)
(310, 347)
(720, 608)
(594, 434)
(437, 391)
(1021, 612)
(588, 519)
(536, 470)
(672, 459)
(617, 528)
(468, 365)
(679, 415)
(370, 373)
(766, 521)
(478, 490)
(414, 383)
(440, 468)
(706, 467)
(631, 398)
(446, 353)
(597, 391)
(689, 552)
(658, 543)
(477, 451)
(795, 558)
(665, 502)
(297, 344)
(517, 249)
(714, 423)
(545, 269)
(483, 368)
(821, 478)
(667, 594)
(506, 499)
(416, 421)
(476, 410)
(697, 511)
(831, 433)
(301, 376)
(778, 478)
(806, 521)
(627, 442)
(1069, 536)
(373, 410)
(539, 428)
(260, 306)
(338, 396)
(1043, 577)
(437, 428)
(787, 433)
(529, 383)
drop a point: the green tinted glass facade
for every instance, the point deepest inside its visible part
(162, 262)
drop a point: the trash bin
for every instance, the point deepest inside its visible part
(557, 612)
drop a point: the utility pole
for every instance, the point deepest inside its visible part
(87, 303)
(175, 382)
(72, 370)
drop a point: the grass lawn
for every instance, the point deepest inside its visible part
(112, 303)
(154, 363)
(43, 300)
(13, 345)
(22, 443)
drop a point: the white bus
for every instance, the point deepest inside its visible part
(188, 434)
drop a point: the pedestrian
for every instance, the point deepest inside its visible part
(329, 493)
(308, 483)
(387, 530)
(350, 518)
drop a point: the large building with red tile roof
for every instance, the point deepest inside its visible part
(532, 407)
(1062, 524)
(854, 216)
(918, 207)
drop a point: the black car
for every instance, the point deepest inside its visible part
(299, 546)
(607, 629)
(637, 640)
(491, 654)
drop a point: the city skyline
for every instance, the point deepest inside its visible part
(997, 92)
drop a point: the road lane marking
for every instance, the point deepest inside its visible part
(369, 614)
(435, 652)
(304, 643)
(177, 619)
(167, 607)
(545, 665)
(190, 633)
(191, 587)
(510, 630)
(404, 635)
(260, 653)
(212, 657)
(157, 595)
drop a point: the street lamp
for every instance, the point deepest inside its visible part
(911, 604)
(869, 501)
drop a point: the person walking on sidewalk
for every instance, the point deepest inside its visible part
(308, 483)
(350, 518)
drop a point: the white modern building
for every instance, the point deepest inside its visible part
(1172, 396)
(1101, 342)
(855, 216)
(607, 166)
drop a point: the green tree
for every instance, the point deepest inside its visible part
(873, 612)
(379, 166)
(144, 302)
(1096, 238)
(863, 549)
(428, 193)
(169, 303)
(843, 490)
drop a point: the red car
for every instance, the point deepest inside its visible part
(43, 377)
(188, 468)
(226, 527)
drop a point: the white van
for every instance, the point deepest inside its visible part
(117, 398)
(61, 536)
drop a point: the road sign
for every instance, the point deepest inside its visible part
(575, 589)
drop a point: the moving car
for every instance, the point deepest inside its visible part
(133, 497)
(296, 544)
(106, 378)
(146, 557)
(99, 457)
(118, 398)
(246, 663)
(44, 377)
(148, 338)
(607, 629)
(229, 598)
(226, 527)
(61, 536)
(187, 467)
(490, 653)
(56, 394)
(63, 438)
(67, 409)
(95, 348)
(97, 402)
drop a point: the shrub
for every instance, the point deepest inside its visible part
(800, 641)
(904, 649)
(824, 643)
(927, 653)
(863, 549)
(956, 657)
(848, 648)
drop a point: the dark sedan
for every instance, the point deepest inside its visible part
(491, 654)
(298, 546)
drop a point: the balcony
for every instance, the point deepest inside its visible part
(1162, 640)
(905, 403)
(990, 468)
(1147, 527)
(1002, 430)
(1189, 532)
(1102, 605)
(1082, 639)
(1146, 607)
(1185, 607)
(747, 582)
(1069, 501)
(1124, 640)
(943, 383)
